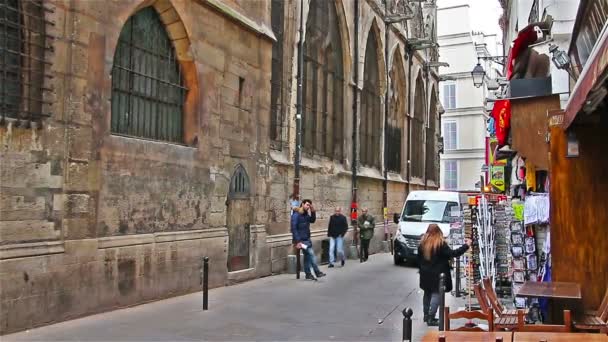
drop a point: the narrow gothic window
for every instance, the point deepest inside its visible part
(418, 130)
(148, 90)
(239, 184)
(431, 141)
(323, 123)
(396, 116)
(371, 116)
(23, 67)
(276, 90)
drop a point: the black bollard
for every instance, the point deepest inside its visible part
(441, 301)
(407, 324)
(298, 263)
(206, 283)
(391, 247)
(458, 277)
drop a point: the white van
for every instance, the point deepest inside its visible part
(422, 208)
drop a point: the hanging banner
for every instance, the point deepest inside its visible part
(502, 116)
(497, 178)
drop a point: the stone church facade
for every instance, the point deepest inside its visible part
(139, 136)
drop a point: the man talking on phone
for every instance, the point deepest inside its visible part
(300, 232)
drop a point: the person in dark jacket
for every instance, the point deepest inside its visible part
(337, 228)
(366, 223)
(300, 232)
(434, 256)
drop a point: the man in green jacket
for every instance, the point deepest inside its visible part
(366, 223)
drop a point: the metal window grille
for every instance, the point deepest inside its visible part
(323, 114)
(148, 91)
(277, 112)
(24, 49)
(239, 184)
(371, 115)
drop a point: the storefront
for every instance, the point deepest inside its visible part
(578, 164)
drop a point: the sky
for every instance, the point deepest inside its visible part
(484, 14)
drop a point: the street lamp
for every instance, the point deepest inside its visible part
(560, 58)
(478, 75)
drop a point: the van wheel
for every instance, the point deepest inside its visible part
(398, 261)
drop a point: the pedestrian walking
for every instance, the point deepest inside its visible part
(434, 256)
(337, 228)
(366, 223)
(300, 232)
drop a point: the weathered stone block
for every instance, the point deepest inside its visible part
(78, 228)
(216, 219)
(81, 142)
(28, 230)
(76, 203)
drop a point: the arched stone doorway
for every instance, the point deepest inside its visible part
(238, 220)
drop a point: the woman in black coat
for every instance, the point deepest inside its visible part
(434, 255)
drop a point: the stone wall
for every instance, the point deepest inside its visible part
(92, 221)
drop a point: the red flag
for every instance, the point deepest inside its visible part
(502, 118)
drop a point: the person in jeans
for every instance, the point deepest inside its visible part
(366, 223)
(336, 230)
(300, 232)
(434, 255)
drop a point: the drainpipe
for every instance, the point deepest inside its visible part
(385, 182)
(410, 55)
(298, 154)
(355, 130)
(426, 114)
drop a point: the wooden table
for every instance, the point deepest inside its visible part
(466, 336)
(550, 290)
(556, 337)
(562, 296)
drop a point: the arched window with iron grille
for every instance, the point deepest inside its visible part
(148, 90)
(323, 114)
(24, 68)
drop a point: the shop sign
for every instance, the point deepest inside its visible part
(502, 116)
(497, 178)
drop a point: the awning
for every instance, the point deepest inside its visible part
(592, 71)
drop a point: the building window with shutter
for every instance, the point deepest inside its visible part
(450, 175)
(148, 89)
(323, 84)
(449, 96)
(24, 69)
(450, 135)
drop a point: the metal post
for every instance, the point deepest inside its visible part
(441, 301)
(206, 283)
(458, 277)
(298, 152)
(407, 324)
(298, 263)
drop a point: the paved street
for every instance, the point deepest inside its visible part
(361, 302)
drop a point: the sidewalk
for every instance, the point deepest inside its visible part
(360, 302)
